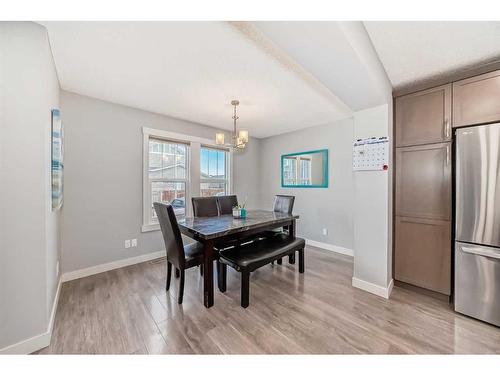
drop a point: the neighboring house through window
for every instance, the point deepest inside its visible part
(168, 174)
(178, 167)
(213, 172)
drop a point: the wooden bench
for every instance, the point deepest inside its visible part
(249, 257)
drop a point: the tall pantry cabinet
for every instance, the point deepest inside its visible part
(423, 188)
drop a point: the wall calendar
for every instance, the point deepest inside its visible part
(371, 154)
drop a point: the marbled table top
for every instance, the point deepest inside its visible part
(220, 226)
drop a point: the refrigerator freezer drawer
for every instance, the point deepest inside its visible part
(477, 281)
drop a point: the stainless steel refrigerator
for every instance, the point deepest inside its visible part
(477, 235)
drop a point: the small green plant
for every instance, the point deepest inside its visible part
(241, 206)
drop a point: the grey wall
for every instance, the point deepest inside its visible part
(29, 233)
(103, 179)
(246, 174)
(329, 208)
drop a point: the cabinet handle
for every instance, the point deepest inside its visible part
(447, 155)
(447, 129)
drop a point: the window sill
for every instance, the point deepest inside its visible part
(150, 228)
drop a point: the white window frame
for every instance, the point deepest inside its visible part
(226, 180)
(193, 169)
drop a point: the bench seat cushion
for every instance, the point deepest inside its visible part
(254, 255)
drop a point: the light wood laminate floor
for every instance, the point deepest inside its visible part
(128, 311)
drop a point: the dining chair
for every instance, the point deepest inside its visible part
(226, 204)
(180, 255)
(283, 204)
(205, 206)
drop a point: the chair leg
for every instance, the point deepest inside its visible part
(177, 273)
(221, 276)
(291, 258)
(245, 288)
(181, 287)
(201, 269)
(169, 275)
(301, 260)
(279, 261)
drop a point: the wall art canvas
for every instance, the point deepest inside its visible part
(57, 160)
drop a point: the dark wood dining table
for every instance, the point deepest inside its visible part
(223, 228)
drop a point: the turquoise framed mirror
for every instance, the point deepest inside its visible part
(307, 169)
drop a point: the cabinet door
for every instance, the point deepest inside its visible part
(423, 253)
(424, 117)
(476, 100)
(423, 181)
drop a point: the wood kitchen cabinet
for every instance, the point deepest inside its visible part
(423, 181)
(423, 253)
(476, 100)
(423, 174)
(423, 117)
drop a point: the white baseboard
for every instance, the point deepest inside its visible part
(378, 290)
(54, 307)
(40, 341)
(28, 346)
(84, 272)
(327, 246)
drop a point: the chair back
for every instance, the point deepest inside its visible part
(226, 204)
(205, 206)
(284, 204)
(171, 234)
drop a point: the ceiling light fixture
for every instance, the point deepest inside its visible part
(239, 138)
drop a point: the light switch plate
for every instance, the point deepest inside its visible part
(127, 244)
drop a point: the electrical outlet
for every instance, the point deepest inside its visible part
(127, 244)
(134, 242)
(325, 232)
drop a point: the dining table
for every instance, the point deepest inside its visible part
(217, 230)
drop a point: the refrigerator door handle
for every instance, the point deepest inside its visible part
(447, 155)
(481, 251)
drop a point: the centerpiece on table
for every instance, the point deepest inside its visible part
(239, 211)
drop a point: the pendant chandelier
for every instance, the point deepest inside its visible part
(239, 139)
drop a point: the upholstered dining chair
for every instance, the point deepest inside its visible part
(226, 204)
(211, 206)
(179, 255)
(283, 204)
(205, 206)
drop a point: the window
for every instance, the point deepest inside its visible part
(167, 175)
(177, 167)
(213, 172)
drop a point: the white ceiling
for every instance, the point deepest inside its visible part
(417, 51)
(329, 51)
(287, 75)
(192, 70)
